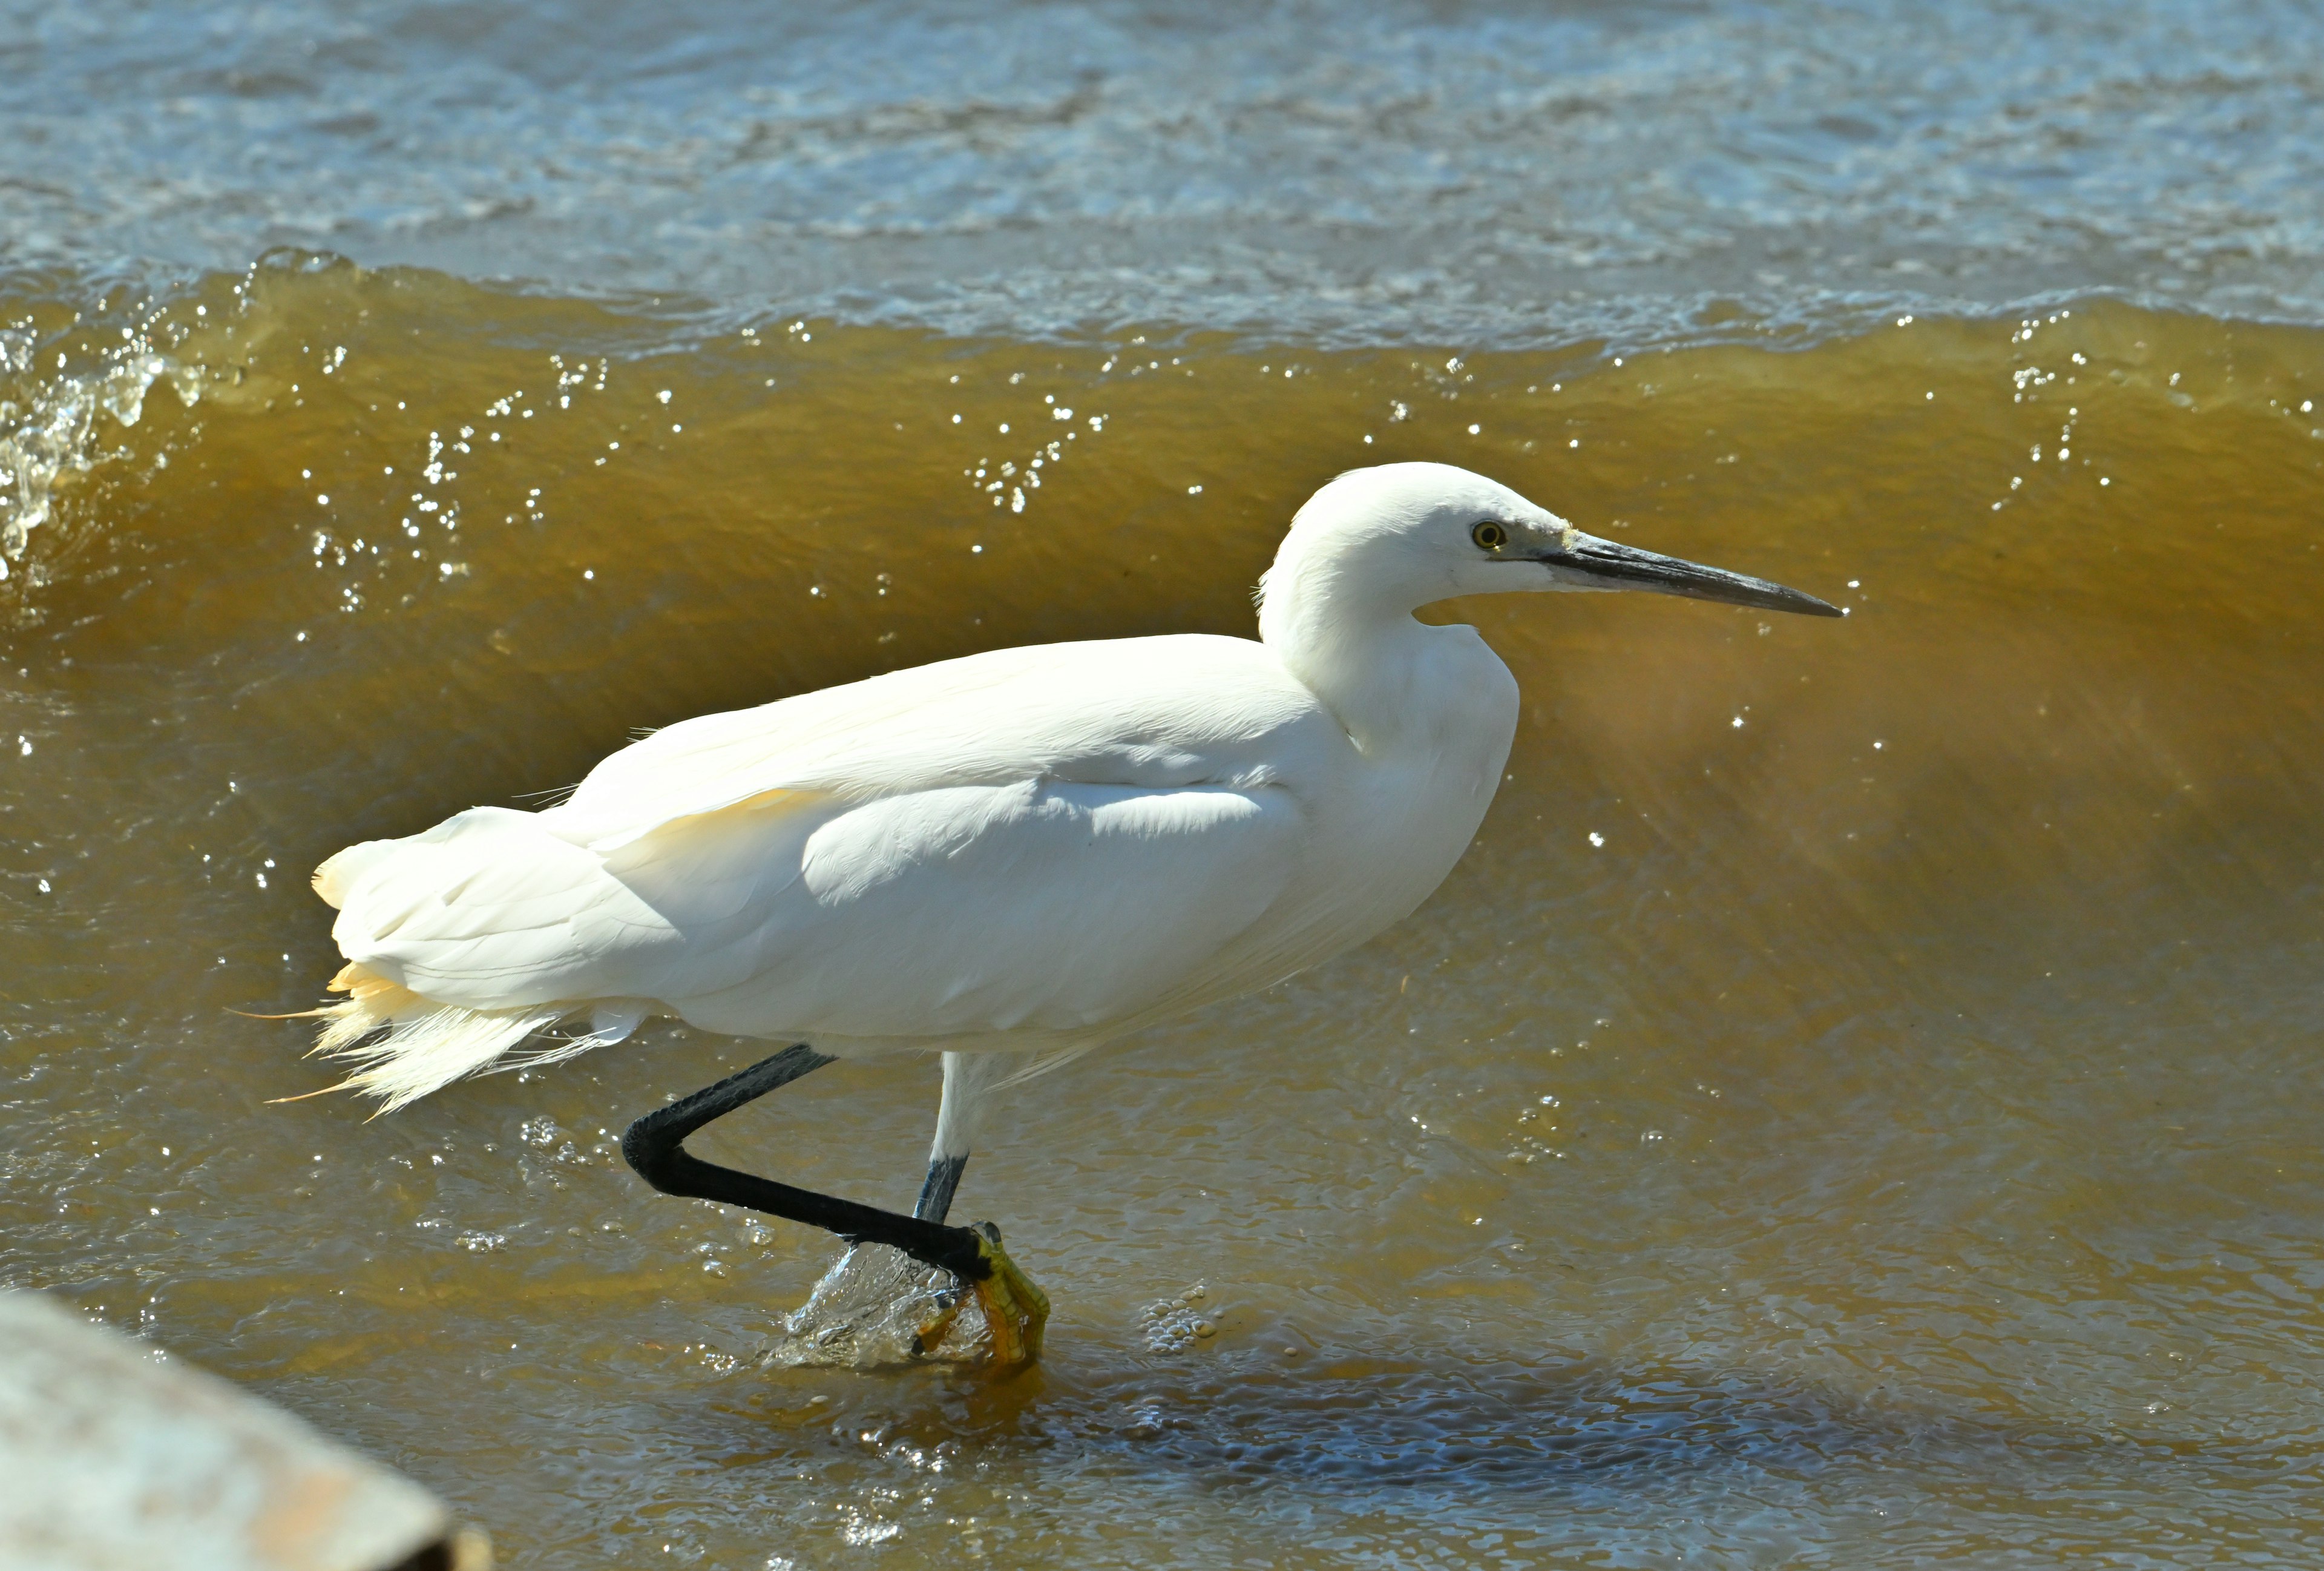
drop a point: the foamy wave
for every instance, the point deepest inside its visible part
(49, 429)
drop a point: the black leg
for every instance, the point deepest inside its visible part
(935, 1195)
(655, 1146)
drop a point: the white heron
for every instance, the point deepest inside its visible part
(1009, 858)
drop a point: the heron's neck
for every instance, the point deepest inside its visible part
(1356, 648)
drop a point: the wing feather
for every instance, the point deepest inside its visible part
(1178, 710)
(1031, 840)
(1044, 906)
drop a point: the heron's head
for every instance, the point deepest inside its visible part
(1403, 535)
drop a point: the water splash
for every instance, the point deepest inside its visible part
(867, 1311)
(49, 432)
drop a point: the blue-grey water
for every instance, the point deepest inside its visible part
(1462, 173)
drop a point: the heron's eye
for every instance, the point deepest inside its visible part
(1489, 536)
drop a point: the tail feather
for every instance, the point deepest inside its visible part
(338, 875)
(1041, 1064)
(404, 1046)
(417, 1056)
(608, 1023)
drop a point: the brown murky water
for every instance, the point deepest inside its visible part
(1856, 1105)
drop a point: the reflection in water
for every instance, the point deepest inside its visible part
(1856, 1100)
(1365, 1424)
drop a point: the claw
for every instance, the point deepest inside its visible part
(1015, 1309)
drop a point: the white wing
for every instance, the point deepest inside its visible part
(926, 854)
(990, 909)
(1180, 710)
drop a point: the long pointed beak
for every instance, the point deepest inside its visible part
(1589, 563)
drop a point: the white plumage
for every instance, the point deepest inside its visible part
(1026, 851)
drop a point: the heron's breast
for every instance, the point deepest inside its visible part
(1397, 824)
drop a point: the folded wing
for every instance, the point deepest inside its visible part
(968, 910)
(996, 845)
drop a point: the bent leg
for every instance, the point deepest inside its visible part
(1015, 1309)
(655, 1147)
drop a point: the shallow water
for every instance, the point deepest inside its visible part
(1854, 1105)
(1896, 1138)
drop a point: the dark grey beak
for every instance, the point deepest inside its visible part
(1588, 562)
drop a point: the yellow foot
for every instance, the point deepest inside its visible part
(1015, 1309)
